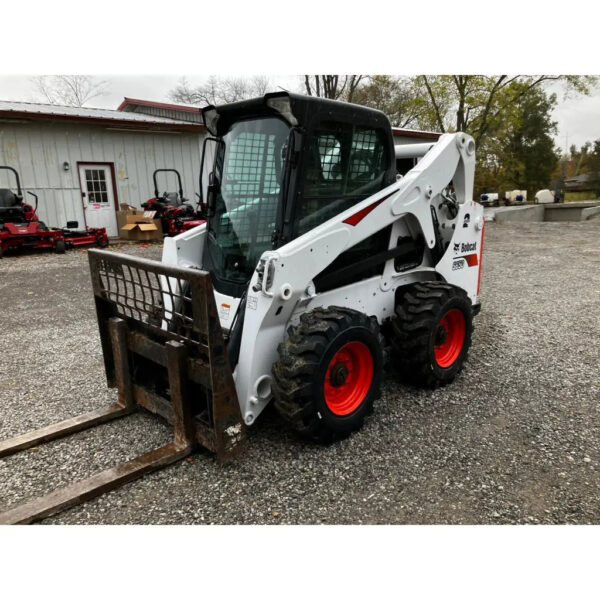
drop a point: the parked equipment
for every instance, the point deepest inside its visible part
(489, 199)
(176, 212)
(84, 237)
(515, 197)
(19, 223)
(316, 263)
(20, 227)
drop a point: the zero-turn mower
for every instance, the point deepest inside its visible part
(318, 262)
(19, 223)
(21, 228)
(175, 212)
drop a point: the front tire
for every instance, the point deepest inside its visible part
(60, 247)
(432, 333)
(329, 373)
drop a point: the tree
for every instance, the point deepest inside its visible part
(519, 151)
(531, 140)
(70, 90)
(334, 87)
(217, 90)
(395, 96)
(477, 104)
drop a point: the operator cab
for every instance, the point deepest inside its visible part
(282, 165)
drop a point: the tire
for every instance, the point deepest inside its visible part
(60, 247)
(100, 242)
(329, 373)
(431, 333)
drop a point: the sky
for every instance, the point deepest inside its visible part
(578, 117)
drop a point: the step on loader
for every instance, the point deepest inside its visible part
(318, 263)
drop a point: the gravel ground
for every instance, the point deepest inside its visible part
(516, 439)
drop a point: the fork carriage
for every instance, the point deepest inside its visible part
(171, 362)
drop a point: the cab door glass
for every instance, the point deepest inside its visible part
(345, 164)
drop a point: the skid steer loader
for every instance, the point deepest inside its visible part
(317, 263)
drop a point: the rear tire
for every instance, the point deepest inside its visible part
(432, 333)
(329, 373)
(60, 247)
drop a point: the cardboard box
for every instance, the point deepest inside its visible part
(135, 224)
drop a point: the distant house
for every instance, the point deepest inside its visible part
(84, 162)
(588, 182)
(582, 187)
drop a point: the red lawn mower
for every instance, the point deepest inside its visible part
(21, 228)
(176, 213)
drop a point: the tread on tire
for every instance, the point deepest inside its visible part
(304, 359)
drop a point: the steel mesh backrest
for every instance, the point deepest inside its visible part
(158, 300)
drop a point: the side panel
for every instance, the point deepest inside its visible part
(461, 263)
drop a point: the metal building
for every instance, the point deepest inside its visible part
(84, 162)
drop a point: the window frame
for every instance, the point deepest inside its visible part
(322, 125)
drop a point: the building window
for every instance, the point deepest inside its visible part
(95, 182)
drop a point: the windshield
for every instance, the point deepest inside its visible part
(249, 166)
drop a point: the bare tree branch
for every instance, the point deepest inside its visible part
(70, 90)
(436, 109)
(216, 90)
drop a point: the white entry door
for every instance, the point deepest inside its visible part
(98, 197)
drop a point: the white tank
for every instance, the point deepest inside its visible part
(544, 197)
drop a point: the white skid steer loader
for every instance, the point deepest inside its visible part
(318, 262)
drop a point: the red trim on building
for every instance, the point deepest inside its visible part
(120, 123)
(430, 135)
(181, 107)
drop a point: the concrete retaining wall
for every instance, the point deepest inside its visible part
(579, 211)
(523, 214)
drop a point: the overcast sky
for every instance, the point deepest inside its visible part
(578, 117)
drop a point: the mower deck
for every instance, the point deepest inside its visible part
(28, 235)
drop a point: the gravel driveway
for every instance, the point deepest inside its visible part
(516, 439)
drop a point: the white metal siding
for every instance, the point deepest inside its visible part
(38, 151)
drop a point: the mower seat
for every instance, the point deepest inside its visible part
(8, 199)
(172, 198)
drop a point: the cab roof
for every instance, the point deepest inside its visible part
(296, 109)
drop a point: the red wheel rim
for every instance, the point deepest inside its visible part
(450, 337)
(348, 378)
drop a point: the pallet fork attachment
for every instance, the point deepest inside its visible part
(164, 351)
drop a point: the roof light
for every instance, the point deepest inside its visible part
(210, 116)
(283, 106)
